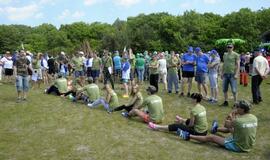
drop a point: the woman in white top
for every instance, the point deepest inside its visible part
(162, 69)
(8, 66)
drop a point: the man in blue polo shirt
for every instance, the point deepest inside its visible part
(201, 70)
(188, 62)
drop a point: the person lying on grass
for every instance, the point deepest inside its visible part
(195, 125)
(153, 107)
(242, 128)
(135, 101)
(88, 93)
(111, 100)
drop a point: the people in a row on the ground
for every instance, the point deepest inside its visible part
(135, 101)
(229, 73)
(260, 70)
(151, 108)
(196, 124)
(241, 124)
(89, 93)
(188, 62)
(109, 102)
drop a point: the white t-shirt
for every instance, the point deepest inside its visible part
(89, 61)
(162, 67)
(8, 63)
(261, 64)
(126, 74)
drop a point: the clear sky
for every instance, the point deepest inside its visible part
(56, 12)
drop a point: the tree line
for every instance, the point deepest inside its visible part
(153, 32)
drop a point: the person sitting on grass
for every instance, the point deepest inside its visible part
(60, 86)
(135, 101)
(195, 125)
(153, 107)
(242, 128)
(88, 93)
(111, 100)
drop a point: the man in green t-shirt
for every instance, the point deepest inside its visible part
(172, 64)
(77, 63)
(154, 106)
(60, 86)
(96, 65)
(153, 70)
(241, 124)
(107, 68)
(229, 73)
(140, 62)
(88, 93)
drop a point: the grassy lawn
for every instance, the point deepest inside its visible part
(49, 127)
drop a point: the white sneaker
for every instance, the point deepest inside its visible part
(90, 105)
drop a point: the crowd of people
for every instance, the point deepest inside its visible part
(77, 78)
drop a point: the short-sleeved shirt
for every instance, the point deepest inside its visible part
(216, 61)
(153, 70)
(140, 62)
(96, 63)
(107, 62)
(114, 100)
(78, 63)
(230, 61)
(188, 58)
(200, 123)
(92, 91)
(244, 134)
(147, 59)
(261, 64)
(61, 84)
(202, 62)
(136, 100)
(21, 64)
(172, 61)
(132, 61)
(117, 62)
(155, 107)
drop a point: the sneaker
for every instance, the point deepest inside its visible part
(214, 127)
(109, 111)
(45, 91)
(24, 99)
(188, 94)
(169, 92)
(176, 92)
(182, 94)
(125, 96)
(225, 104)
(125, 114)
(152, 125)
(18, 100)
(90, 105)
(183, 134)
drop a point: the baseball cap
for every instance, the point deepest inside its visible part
(151, 89)
(190, 49)
(243, 104)
(197, 49)
(213, 52)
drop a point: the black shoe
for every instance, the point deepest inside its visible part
(176, 92)
(169, 92)
(225, 104)
(255, 102)
(188, 94)
(182, 94)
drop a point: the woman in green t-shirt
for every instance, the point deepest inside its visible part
(195, 125)
(135, 101)
(111, 100)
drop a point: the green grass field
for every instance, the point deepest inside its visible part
(49, 127)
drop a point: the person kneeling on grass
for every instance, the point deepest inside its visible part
(154, 106)
(196, 125)
(111, 100)
(88, 93)
(242, 128)
(135, 101)
(60, 86)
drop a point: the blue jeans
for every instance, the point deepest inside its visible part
(140, 74)
(22, 83)
(172, 79)
(102, 101)
(228, 79)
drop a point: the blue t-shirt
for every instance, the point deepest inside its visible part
(117, 62)
(202, 62)
(188, 58)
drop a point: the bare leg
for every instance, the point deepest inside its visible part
(199, 88)
(189, 84)
(211, 138)
(205, 89)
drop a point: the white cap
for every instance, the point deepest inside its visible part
(81, 52)
(63, 53)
